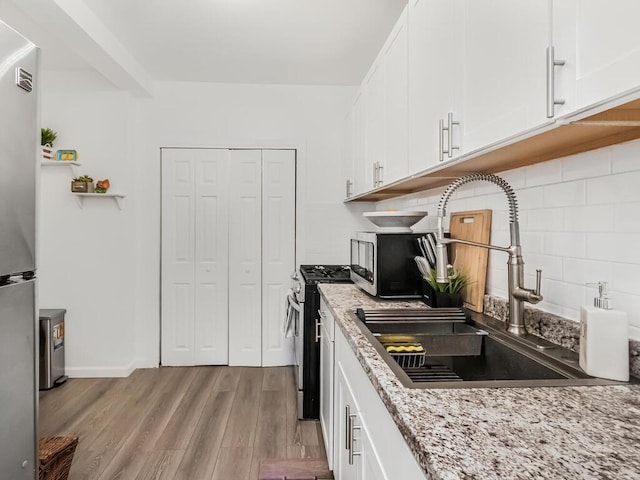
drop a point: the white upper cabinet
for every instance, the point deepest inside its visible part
(504, 58)
(601, 44)
(434, 70)
(395, 163)
(363, 170)
(374, 120)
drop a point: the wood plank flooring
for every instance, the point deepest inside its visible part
(181, 423)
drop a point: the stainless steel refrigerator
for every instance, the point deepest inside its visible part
(19, 145)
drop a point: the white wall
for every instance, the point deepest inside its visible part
(86, 256)
(102, 264)
(579, 222)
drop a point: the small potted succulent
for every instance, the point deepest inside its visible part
(82, 184)
(47, 137)
(447, 294)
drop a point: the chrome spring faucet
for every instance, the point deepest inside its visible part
(518, 294)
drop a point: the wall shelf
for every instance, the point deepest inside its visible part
(117, 197)
(59, 163)
(584, 131)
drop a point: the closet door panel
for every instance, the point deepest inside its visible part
(245, 269)
(211, 255)
(178, 289)
(278, 251)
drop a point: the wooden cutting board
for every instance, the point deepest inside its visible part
(475, 226)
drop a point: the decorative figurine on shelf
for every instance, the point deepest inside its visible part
(82, 184)
(102, 186)
(47, 137)
(67, 155)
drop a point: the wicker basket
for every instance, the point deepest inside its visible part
(56, 455)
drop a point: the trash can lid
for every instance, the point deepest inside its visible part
(52, 313)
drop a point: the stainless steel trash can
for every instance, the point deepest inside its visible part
(52, 348)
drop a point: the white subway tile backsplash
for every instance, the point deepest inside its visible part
(629, 304)
(598, 218)
(634, 332)
(583, 271)
(551, 267)
(532, 242)
(529, 198)
(564, 294)
(545, 173)
(626, 278)
(563, 244)
(584, 165)
(545, 220)
(618, 188)
(580, 223)
(515, 178)
(621, 247)
(564, 194)
(627, 218)
(624, 157)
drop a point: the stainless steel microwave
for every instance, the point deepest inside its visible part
(382, 264)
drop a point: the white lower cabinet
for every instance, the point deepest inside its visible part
(367, 442)
(327, 378)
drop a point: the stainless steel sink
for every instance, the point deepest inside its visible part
(444, 348)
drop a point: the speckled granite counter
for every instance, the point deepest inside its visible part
(506, 433)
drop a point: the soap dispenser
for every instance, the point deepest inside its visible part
(604, 338)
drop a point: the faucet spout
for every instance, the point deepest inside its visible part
(518, 294)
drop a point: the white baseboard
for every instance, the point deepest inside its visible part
(99, 372)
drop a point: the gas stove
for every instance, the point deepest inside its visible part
(325, 273)
(306, 346)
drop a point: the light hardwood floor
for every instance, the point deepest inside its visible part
(180, 423)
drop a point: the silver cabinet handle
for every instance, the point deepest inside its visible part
(347, 429)
(448, 150)
(375, 174)
(450, 146)
(380, 172)
(349, 188)
(552, 101)
(352, 427)
(318, 335)
(441, 140)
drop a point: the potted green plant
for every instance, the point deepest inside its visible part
(82, 184)
(447, 294)
(47, 137)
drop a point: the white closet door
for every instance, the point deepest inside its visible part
(278, 251)
(194, 257)
(211, 257)
(178, 245)
(245, 269)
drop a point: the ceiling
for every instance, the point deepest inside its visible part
(319, 42)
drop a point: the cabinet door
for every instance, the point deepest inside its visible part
(348, 162)
(433, 64)
(326, 390)
(347, 460)
(374, 91)
(396, 117)
(602, 48)
(504, 57)
(371, 467)
(363, 176)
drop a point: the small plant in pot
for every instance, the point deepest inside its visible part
(47, 137)
(82, 184)
(447, 294)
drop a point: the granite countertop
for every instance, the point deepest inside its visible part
(501, 433)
